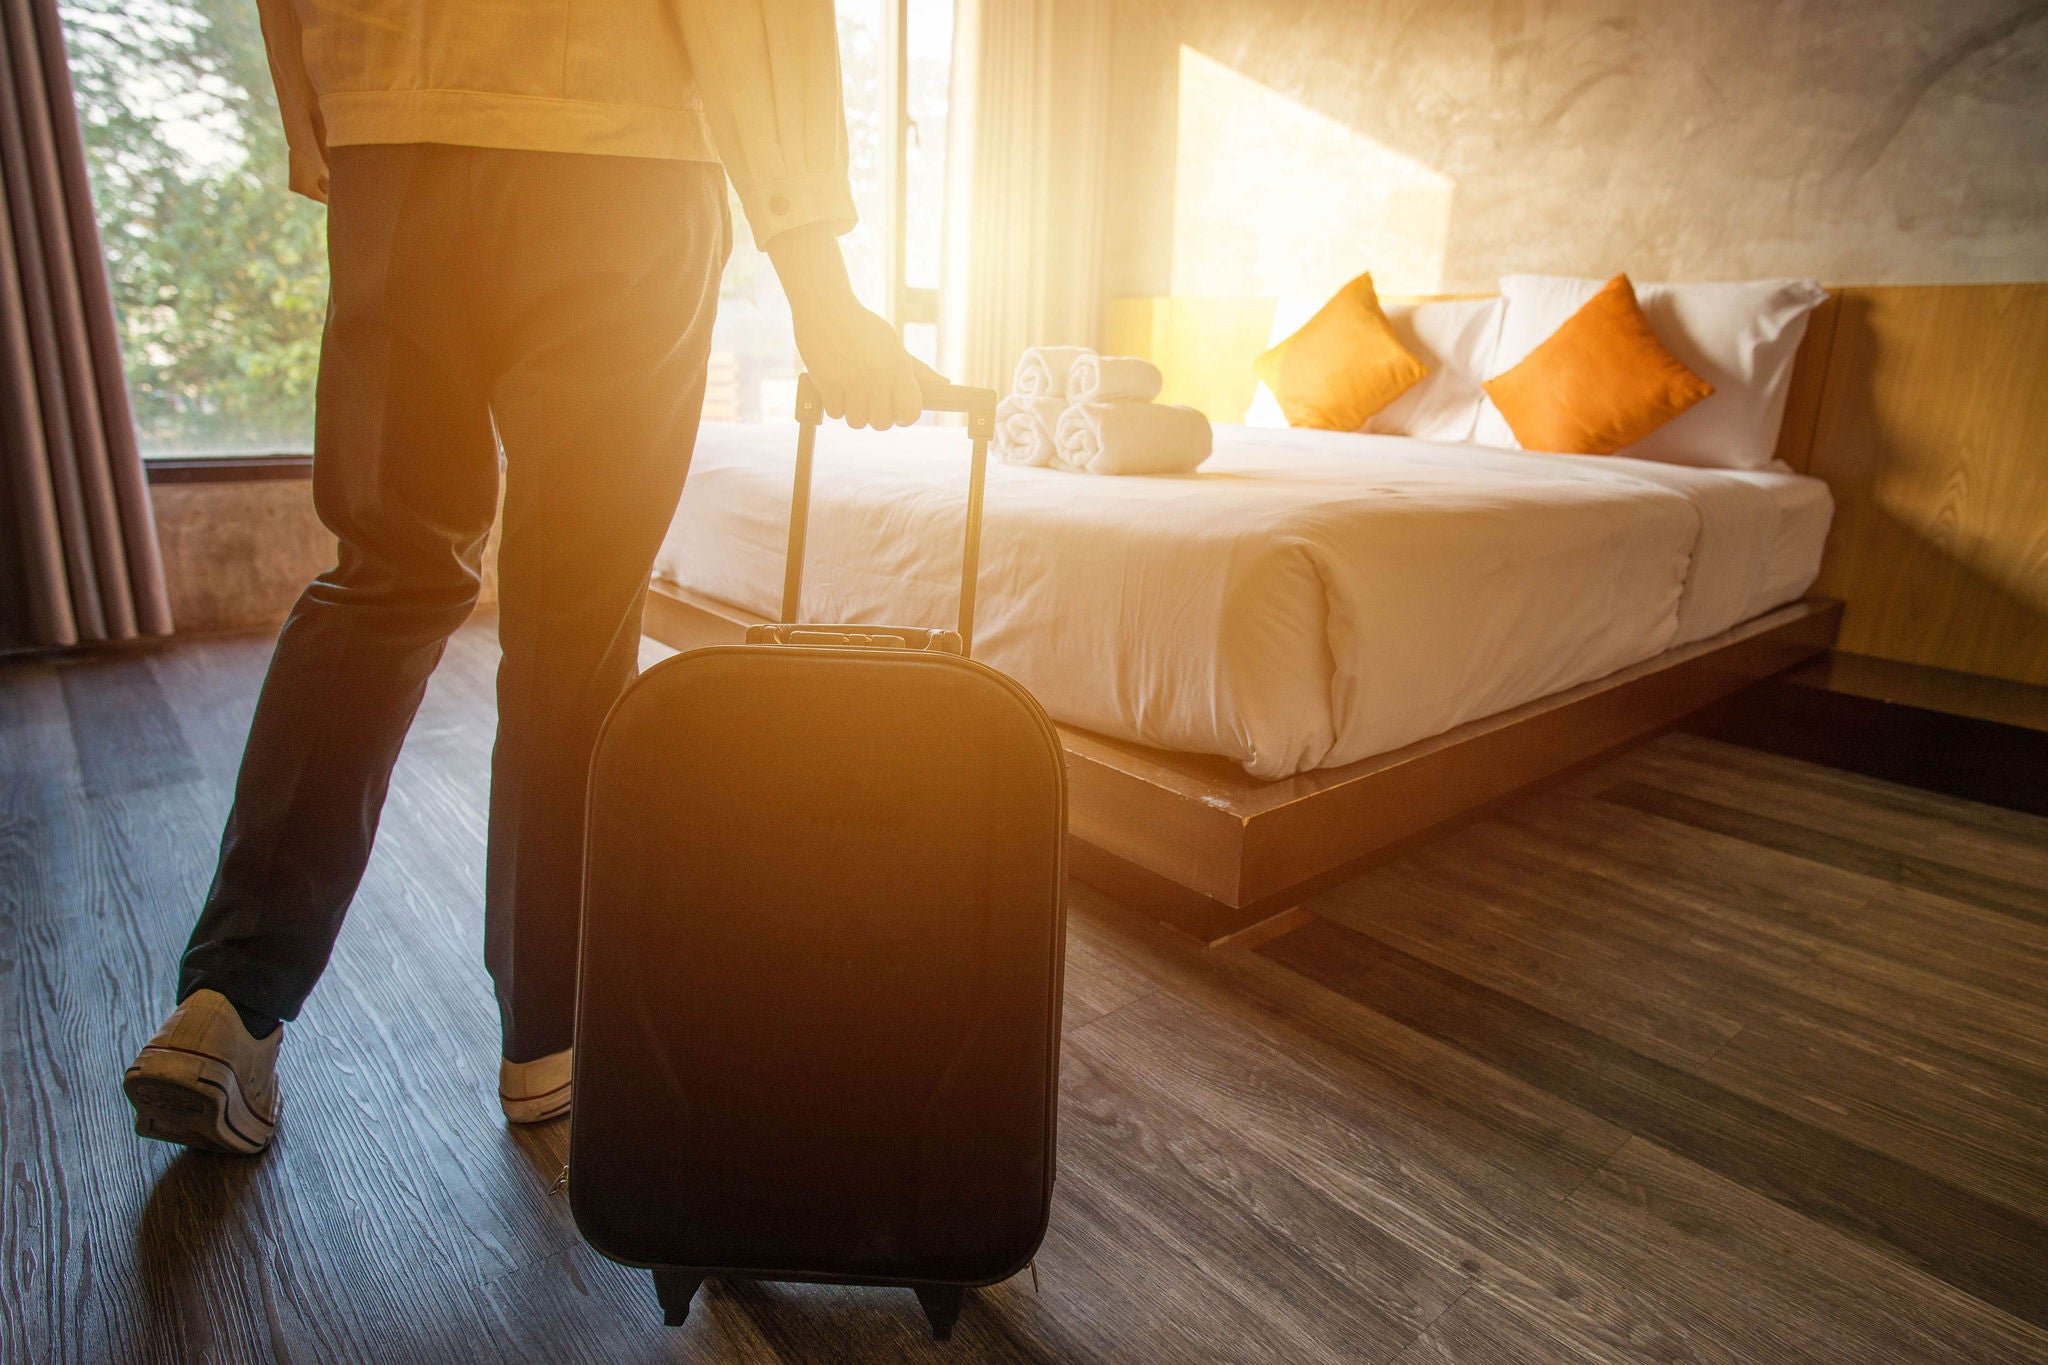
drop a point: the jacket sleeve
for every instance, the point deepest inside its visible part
(297, 101)
(769, 74)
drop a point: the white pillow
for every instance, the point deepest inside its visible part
(1454, 338)
(1740, 337)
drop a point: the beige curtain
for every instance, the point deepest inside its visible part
(78, 551)
(1024, 192)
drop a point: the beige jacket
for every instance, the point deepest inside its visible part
(751, 83)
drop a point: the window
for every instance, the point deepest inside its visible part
(220, 276)
(895, 65)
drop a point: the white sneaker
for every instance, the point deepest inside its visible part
(203, 1081)
(533, 1092)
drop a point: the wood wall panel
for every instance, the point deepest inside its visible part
(1933, 434)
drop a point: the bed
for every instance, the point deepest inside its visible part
(1322, 645)
(1233, 653)
(1306, 600)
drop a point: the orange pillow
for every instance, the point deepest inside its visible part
(1344, 365)
(1600, 382)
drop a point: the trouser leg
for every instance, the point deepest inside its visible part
(610, 270)
(405, 475)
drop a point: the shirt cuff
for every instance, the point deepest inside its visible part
(309, 175)
(775, 206)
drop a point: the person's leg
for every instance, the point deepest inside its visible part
(607, 279)
(405, 474)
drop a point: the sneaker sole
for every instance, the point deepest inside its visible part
(196, 1101)
(535, 1108)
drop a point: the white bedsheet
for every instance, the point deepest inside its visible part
(1761, 536)
(1306, 599)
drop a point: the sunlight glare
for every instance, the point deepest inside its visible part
(1272, 198)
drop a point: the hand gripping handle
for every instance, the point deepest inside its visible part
(980, 407)
(978, 404)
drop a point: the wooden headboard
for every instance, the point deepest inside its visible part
(1931, 427)
(1924, 407)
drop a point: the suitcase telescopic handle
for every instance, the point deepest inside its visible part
(980, 407)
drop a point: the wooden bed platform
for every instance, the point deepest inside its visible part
(1195, 841)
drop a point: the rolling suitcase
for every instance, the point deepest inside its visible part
(818, 1005)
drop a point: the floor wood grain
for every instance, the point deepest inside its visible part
(1901, 868)
(121, 727)
(1705, 1055)
(1976, 1244)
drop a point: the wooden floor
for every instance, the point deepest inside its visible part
(1709, 1056)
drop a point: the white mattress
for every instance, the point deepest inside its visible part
(1306, 599)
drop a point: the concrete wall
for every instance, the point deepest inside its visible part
(237, 554)
(1442, 143)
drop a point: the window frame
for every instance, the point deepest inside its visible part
(282, 464)
(906, 306)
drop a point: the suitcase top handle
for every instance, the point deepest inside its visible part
(980, 407)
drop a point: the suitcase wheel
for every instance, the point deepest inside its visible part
(675, 1289)
(941, 1303)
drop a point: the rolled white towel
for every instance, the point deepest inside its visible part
(1121, 437)
(1097, 378)
(1042, 370)
(1024, 429)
